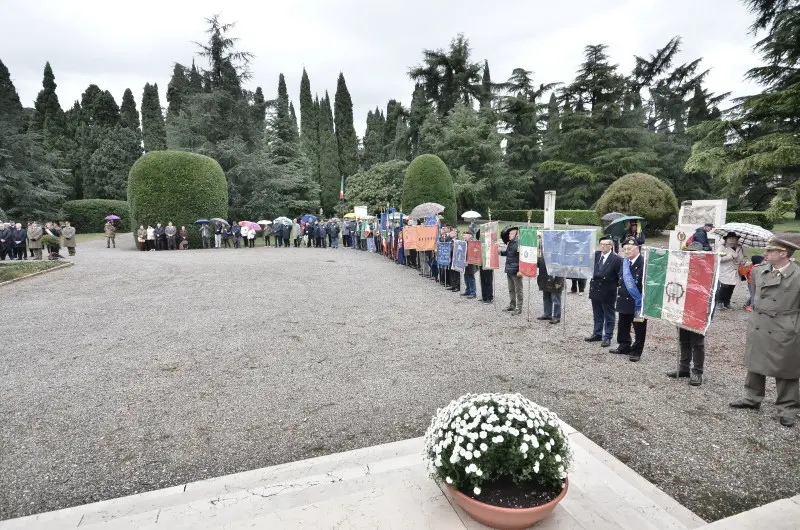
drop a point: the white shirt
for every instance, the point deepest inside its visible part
(634, 259)
(151, 233)
(604, 258)
(245, 230)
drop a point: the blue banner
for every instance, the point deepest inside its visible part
(569, 253)
(459, 255)
(443, 253)
(431, 220)
(371, 244)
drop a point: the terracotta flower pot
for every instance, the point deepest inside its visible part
(506, 518)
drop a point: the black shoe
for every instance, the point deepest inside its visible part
(555, 321)
(618, 350)
(634, 358)
(593, 338)
(464, 294)
(544, 318)
(787, 421)
(516, 312)
(742, 404)
(605, 344)
(510, 308)
(676, 374)
(696, 380)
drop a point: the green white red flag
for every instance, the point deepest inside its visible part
(679, 287)
(528, 253)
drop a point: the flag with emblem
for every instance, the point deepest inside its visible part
(490, 248)
(527, 252)
(569, 253)
(679, 287)
(459, 255)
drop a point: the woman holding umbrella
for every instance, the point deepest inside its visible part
(731, 256)
(511, 252)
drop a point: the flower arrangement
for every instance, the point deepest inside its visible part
(479, 439)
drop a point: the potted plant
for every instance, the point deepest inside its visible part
(503, 457)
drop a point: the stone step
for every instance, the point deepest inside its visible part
(779, 515)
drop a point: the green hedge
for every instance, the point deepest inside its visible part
(88, 215)
(179, 187)
(754, 218)
(427, 179)
(576, 217)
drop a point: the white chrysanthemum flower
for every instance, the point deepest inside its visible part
(476, 453)
(547, 446)
(470, 447)
(560, 469)
(534, 442)
(536, 467)
(541, 456)
(558, 458)
(523, 448)
(526, 437)
(513, 432)
(454, 458)
(504, 428)
(477, 490)
(479, 473)
(529, 423)
(484, 447)
(501, 410)
(448, 480)
(483, 435)
(468, 455)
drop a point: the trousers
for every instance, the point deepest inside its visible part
(171, 242)
(552, 304)
(604, 319)
(515, 294)
(624, 325)
(487, 285)
(788, 399)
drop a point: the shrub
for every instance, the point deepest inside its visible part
(754, 218)
(176, 186)
(643, 195)
(428, 180)
(479, 438)
(88, 215)
(576, 217)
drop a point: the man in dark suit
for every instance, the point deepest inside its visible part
(629, 300)
(603, 292)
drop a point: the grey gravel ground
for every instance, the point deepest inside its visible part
(139, 371)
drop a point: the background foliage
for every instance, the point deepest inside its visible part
(88, 215)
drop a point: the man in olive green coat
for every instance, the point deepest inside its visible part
(69, 237)
(35, 234)
(773, 330)
(110, 233)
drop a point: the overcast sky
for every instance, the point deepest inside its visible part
(117, 44)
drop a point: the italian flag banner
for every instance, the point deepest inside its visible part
(528, 252)
(679, 287)
(490, 248)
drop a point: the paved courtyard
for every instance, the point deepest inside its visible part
(138, 371)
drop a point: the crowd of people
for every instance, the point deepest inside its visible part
(16, 242)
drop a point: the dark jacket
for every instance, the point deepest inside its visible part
(701, 236)
(237, 230)
(333, 230)
(512, 257)
(625, 303)
(605, 280)
(551, 284)
(5, 239)
(160, 233)
(19, 236)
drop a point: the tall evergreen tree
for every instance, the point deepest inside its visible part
(154, 132)
(373, 139)
(47, 106)
(228, 67)
(329, 175)
(419, 111)
(128, 113)
(487, 87)
(345, 130)
(195, 80)
(293, 115)
(177, 89)
(395, 114)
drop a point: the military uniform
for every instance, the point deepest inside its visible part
(35, 234)
(110, 233)
(626, 308)
(773, 335)
(69, 239)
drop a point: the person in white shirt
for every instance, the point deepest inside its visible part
(245, 234)
(731, 257)
(151, 238)
(251, 237)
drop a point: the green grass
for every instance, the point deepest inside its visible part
(790, 225)
(18, 270)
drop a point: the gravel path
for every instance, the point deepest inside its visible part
(155, 369)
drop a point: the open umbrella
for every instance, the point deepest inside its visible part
(250, 225)
(612, 216)
(201, 222)
(350, 215)
(506, 230)
(265, 222)
(425, 209)
(617, 228)
(472, 214)
(308, 217)
(284, 220)
(112, 218)
(221, 221)
(749, 235)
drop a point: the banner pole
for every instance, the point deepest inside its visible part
(564, 303)
(529, 300)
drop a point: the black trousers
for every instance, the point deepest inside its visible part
(626, 345)
(578, 285)
(693, 351)
(171, 243)
(455, 279)
(724, 294)
(5, 251)
(487, 285)
(19, 253)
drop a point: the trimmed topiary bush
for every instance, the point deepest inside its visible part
(176, 186)
(754, 218)
(88, 215)
(428, 180)
(643, 195)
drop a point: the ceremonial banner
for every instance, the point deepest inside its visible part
(427, 237)
(443, 253)
(679, 287)
(371, 244)
(569, 253)
(490, 247)
(459, 255)
(360, 211)
(474, 253)
(410, 237)
(528, 253)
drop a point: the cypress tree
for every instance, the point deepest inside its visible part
(195, 80)
(394, 113)
(374, 139)
(283, 121)
(345, 130)
(487, 88)
(259, 114)
(308, 122)
(154, 131)
(106, 110)
(329, 175)
(47, 106)
(420, 109)
(10, 105)
(128, 113)
(293, 116)
(177, 89)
